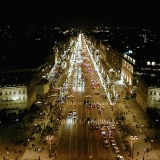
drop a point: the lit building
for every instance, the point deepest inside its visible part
(148, 94)
(17, 93)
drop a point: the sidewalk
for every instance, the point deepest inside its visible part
(140, 146)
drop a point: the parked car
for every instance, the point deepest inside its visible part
(116, 149)
(113, 142)
(106, 143)
(119, 157)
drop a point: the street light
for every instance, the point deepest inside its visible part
(142, 128)
(134, 117)
(28, 143)
(151, 144)
(50, 139)
(156, 127)
(144, 151)
(133, 139)
(39, 157)
(7, 155)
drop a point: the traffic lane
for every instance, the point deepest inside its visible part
(99, 151)
(65, 148)
(72, 145)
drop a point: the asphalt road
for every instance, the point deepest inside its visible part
(75, 139)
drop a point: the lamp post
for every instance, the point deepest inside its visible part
(50, 140)
(7, 155)
(151, 144)
(28, 143)
(144, 151)
(39, 157)
(156, 127)
(133, 139)
(134, 117)
(142, 128)
(17, 121)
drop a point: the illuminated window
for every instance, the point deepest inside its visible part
(148, 63)
(153, 63)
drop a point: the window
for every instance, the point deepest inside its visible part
(10, 92)
(150, 92)
(19, 92)
(23, 91)
(154, 93)
(0, 93)
(14, 92)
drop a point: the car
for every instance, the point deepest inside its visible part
(70, 114)
(113, 142)
(92, 127)
(113, 127)
(74, 112)
(102, 107)
(119, 157)
(74, 115)
(116, 149)
(70, 96)
(106, 143)
(88, 96)
(99, 111)
(103, 133)
(104, 136)
(97, 127)
(54, 95)
(110, 136)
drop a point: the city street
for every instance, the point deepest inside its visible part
(72, 135)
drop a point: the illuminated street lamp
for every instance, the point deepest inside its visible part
(17, 121)
(39, 157)
(7, 155)
(151, 144)
(144, 151)
(28, 143)
(142, 128)
(134, 117)
(50, 140)
(133, 139)
(156, 127)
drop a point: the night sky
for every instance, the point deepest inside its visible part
(99, 13)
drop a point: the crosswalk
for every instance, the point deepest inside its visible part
(82, 121)
(70, 103)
